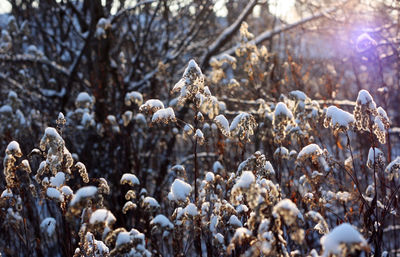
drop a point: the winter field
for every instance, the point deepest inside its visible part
(199, 128)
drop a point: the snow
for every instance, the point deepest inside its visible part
(130, 179)
(12, 95)
(377, 159)
(214, 223)
(234, 221)
(241, 233)
(199, 134)
(13, 148)
(83, 193)
(53, 193)
(365, 98)
(242, 208)
(162, 221)
(343, 196)
(222, 124)
(48, 225)
(83, 97)
(342, 234)
(191, 210)
(288, 210)
(282, 110)
(6, 193)
(180, 190)
(58, 179)
(150, 201)
(210, 177)
(153, 104)
(339, 117)
(217, 166)
(287, 204)
(122, 238)
(268, 167)
(219, 237)
(66, 190)
(134, 96)
(102, 216)
(393, 165)
(5, 109)
(164, 114)
(236, 122)
(307, 151)
(52, 133)
(192, 65)
(281, 151)
(298, 95)
(60, 116)
(245, 180)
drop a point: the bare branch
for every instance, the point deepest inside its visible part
(227, 34)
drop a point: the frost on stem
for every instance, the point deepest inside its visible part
(338, 119)
(343, 240)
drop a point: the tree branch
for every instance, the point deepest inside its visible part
(227, 34)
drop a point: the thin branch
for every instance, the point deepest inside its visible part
(227, 34)
(266, 35)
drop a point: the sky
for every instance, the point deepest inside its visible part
(281, 8)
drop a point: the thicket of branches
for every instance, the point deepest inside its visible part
(157, 128)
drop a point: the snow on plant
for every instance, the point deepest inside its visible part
(243, 126)
(180, 190)
(282, 118)
(191, 85)
(338, 119)
(164, 116)
(48, 226)
(310, 151)
(375, 157)
(130, 179)
(393, 169)
(133, 97)
(370, 118)
(343, 240)
(151, 106)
